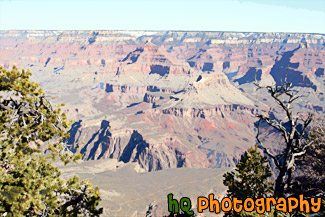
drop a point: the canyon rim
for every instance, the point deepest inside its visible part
(155, 110)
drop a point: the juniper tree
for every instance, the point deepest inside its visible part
(29, 184)
(250, 179)
(310, 177)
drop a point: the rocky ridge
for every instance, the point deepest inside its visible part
(166, 99)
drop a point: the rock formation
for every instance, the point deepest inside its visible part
(166, 99)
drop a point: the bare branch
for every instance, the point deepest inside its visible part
(295, 141)
(260, 145)
(275, 124)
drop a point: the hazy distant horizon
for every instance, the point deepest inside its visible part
(131, 30)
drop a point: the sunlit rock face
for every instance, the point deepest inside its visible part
(167, 99)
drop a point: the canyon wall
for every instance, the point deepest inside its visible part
(167, 99)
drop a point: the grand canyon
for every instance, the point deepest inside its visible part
(168, 110)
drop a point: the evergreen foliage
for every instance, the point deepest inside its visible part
(181, 214)
(250, 179)
(29, 184)
(310, 178)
